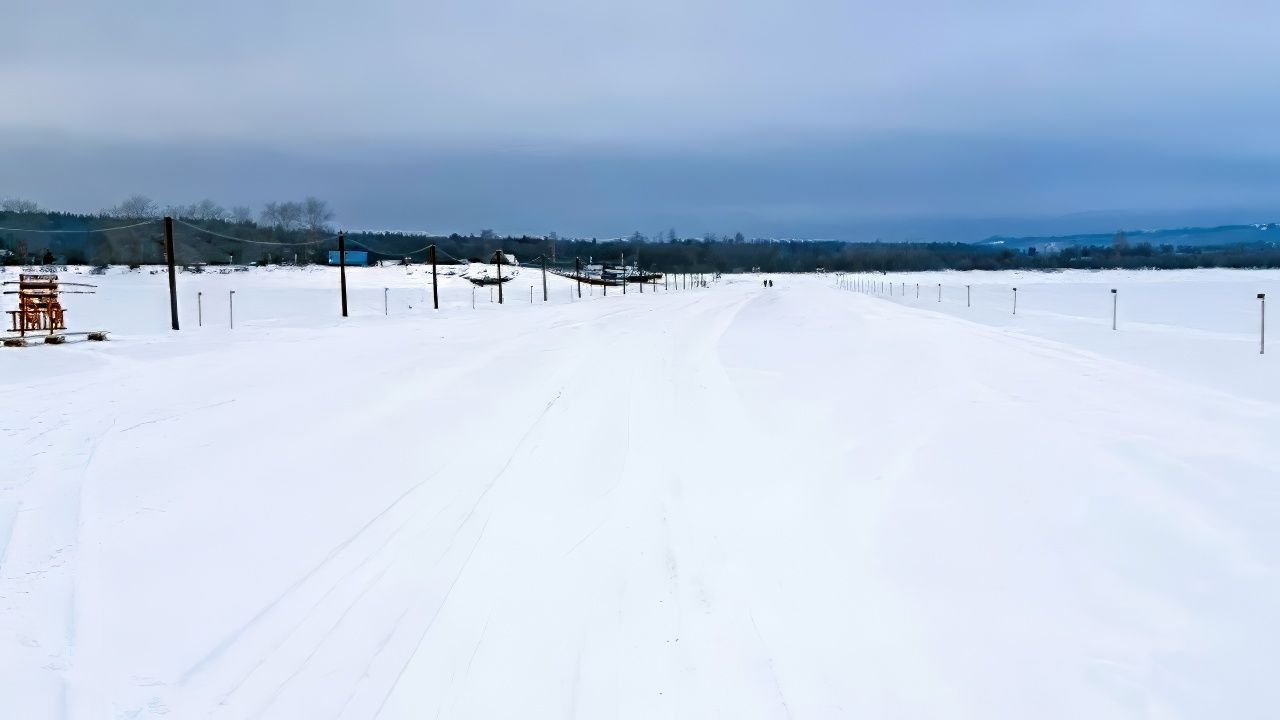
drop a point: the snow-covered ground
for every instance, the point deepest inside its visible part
(732, 502)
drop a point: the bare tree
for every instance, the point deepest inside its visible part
(283, 215)
(316, 214)
(241, 214)
(207, 210)
(290, 215)
(18, 205)
(271, 214)
(134, 207)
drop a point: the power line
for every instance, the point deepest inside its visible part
(255, 242)
(83, 230)
(383, 252)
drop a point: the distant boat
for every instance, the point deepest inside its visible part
(610, 275)
(491, 273)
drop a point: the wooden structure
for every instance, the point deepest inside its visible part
(39, 307)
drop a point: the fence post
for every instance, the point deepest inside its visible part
(544, 278)
(967, 295)
(435, 294)
(1262, 338)
(342, 269)
(1115, 300)
(173, 273)
(199, 310)
(577, 273)
(231, 308)
(385, 310)
(1015, 301)
(939, 292)
(530, 294)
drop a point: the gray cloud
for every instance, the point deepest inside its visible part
(798, 118)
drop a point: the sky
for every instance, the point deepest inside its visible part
(914, 119)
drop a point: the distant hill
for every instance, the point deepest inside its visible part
(1268, 233)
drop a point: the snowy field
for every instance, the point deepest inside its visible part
(734, 502)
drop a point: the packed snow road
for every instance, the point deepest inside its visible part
(738, 502)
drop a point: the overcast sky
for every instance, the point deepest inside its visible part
(855, 119)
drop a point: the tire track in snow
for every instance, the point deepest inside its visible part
(768, 659)
(421, 637)
(227, 642)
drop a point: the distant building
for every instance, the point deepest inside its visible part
(354, 257)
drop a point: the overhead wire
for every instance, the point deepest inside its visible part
(254, 242)
(383, 252)
(82, 230)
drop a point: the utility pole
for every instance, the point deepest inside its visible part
(498, 257)
(577, 273)
(544, 278)
(622, 269)
(342, 269)
(173, 273)
(435, 293)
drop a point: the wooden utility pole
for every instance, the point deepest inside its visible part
(435, 293)
(342, 269)
(544, 278)
(173, 273)
(498, 256)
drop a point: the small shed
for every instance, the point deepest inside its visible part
(354, 257)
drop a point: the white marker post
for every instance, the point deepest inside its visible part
(385, 310)
(231, 308)
(967, 302)
(1262, 341)
(1015, 301)
(199, 310)
(1115, 301)
(939, 292)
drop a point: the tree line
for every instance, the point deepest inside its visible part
(302, 232)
